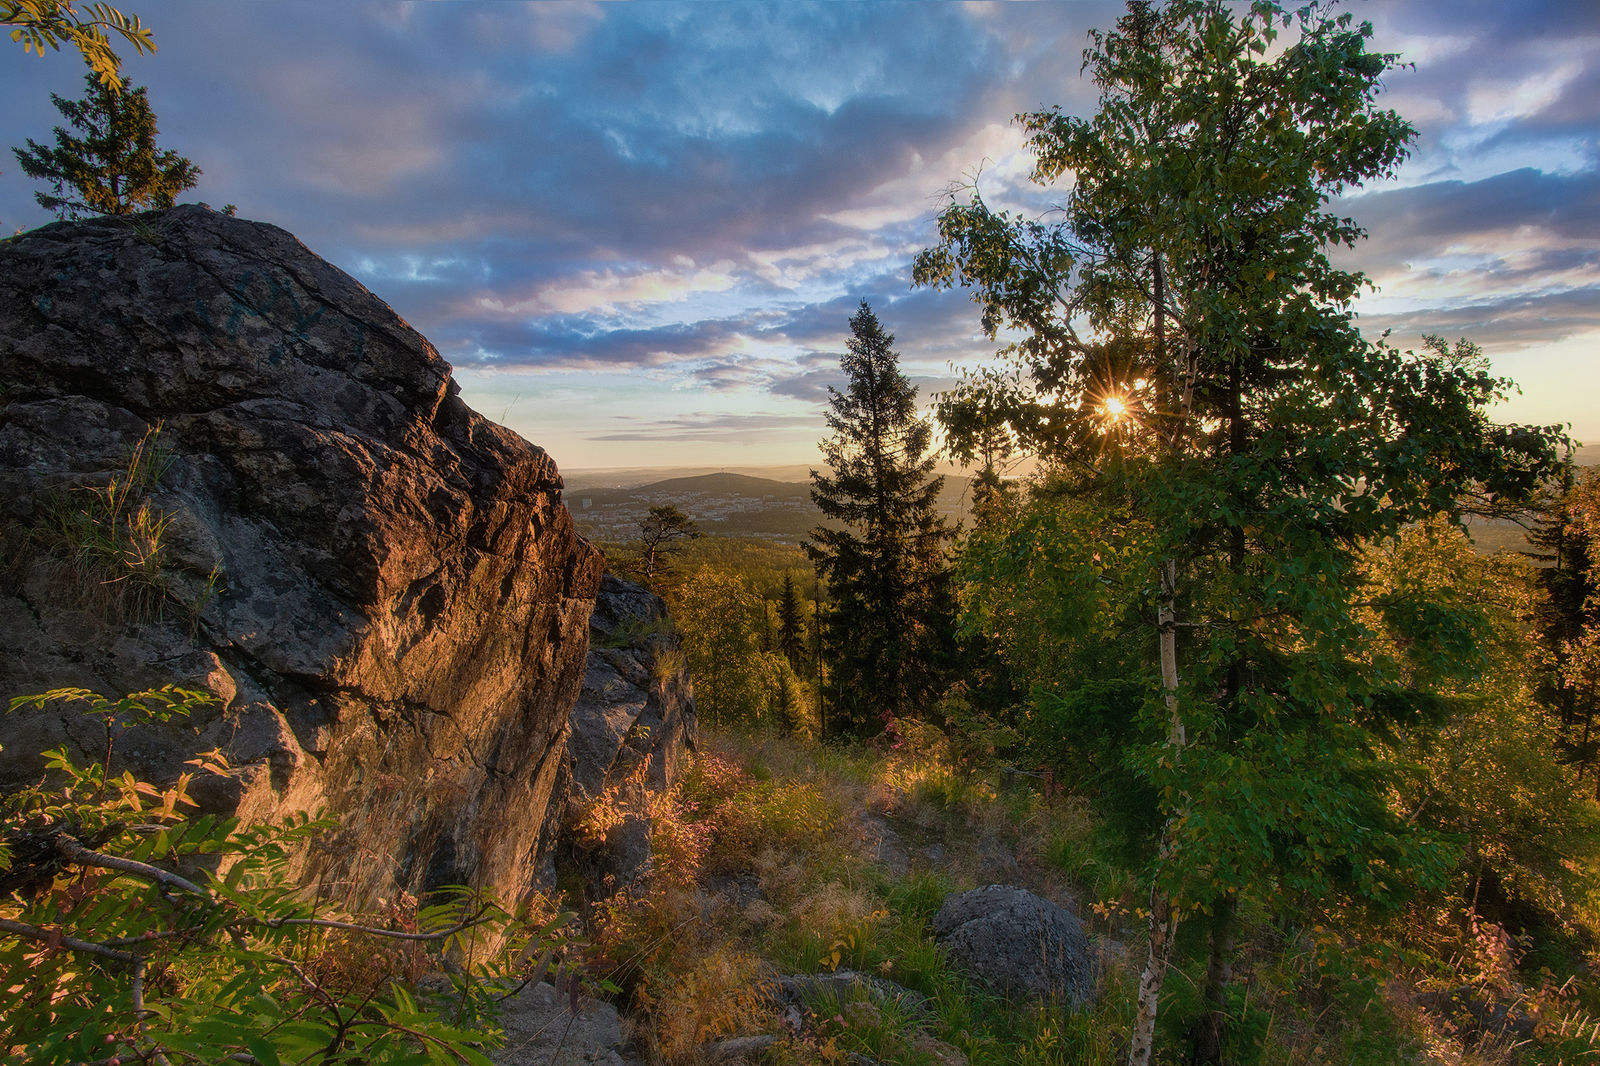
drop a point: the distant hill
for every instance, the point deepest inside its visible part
(721, 504)
(719, 484)
(594, 478)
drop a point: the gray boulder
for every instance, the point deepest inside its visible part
(543, 1029)
(400, 626)
(1019, 943)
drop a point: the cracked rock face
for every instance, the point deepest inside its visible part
(399, 625)
(633, 728)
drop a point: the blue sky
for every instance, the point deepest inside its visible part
(638, 230)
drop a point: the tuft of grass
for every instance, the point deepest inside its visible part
(113, 540)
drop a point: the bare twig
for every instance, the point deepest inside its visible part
(55, 936)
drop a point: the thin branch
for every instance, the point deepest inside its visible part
(393, 934)
(425, 1038)
(139, 1012)
(331, 1004)
(72, 849)
(143, 938)
(48, 936)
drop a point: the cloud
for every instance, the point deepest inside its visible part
(593, 290)
(693, 198)
(1461, 212)
(1519, 320)
(714, 428)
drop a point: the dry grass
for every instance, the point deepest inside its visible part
(766, 870)
(110, 542)
(725, 993)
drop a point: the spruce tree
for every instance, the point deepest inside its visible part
(887, 630)
(791, 623)
(1568, 616)
(114, 168)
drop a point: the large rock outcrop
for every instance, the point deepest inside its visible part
(400, 626)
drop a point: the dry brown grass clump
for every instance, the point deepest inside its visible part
(724, 993)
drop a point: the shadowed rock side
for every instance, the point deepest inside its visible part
(400, 626)
(632, 730)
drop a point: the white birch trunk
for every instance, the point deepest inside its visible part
(1163, 919)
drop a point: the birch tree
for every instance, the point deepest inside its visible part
(1180, 342)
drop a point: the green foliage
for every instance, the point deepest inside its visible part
(1566, 539)
(41, 24)
(113, 167)
(1456, 622)
(887, 631)
(1187, 353)
(739, 675)
(148, 932)
(791, 623)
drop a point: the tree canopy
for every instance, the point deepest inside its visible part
(1186, 352)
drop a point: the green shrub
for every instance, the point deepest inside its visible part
(133, 929)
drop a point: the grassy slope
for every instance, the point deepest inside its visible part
(778, 857)
(813, 858)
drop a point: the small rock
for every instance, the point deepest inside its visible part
(737, 1049)
(937, 1051)
(801, 988)
(879, 840)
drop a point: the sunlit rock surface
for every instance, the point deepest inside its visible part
(399, 627)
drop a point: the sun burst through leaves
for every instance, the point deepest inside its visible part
(1117, 408)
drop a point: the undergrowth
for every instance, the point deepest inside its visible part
(134, 929)
(787, 873)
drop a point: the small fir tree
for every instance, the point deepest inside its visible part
(114, 168)
(887, 631)
(791, 623)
